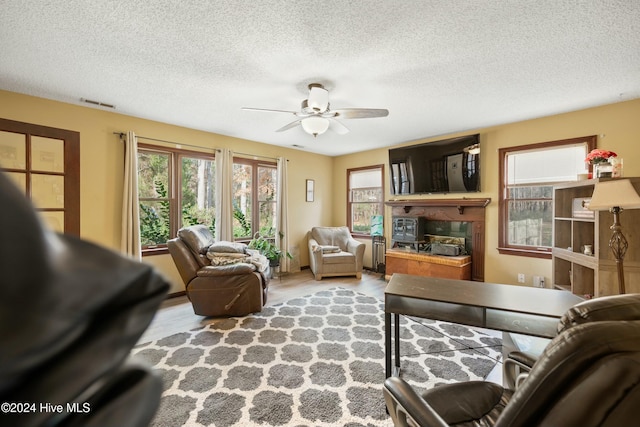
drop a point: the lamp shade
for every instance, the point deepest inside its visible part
(615, 193)
(315, 125)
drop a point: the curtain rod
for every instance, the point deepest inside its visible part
(122, 134)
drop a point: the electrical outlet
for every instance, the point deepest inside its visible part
(520, 277)
(538, 281)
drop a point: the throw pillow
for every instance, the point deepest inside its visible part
(232, 247)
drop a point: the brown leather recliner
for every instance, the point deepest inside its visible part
(70, 312)
(589, 375)
(225, 290)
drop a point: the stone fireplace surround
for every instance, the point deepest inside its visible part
(470, 210)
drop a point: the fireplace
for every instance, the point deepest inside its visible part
(450, 217)
(408, 230)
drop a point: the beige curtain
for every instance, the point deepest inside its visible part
(282, 209)
(130, 237)
(224, 198)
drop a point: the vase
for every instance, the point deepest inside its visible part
(602, 170)
(617, 164)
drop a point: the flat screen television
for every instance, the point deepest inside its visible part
(445, 166)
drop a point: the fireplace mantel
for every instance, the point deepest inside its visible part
(460, 204)
(462, 209)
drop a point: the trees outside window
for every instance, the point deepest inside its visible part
(267, 178)
(176, 189)
(155, 198)
(197, 196)
(527, 176)
(254, 198)
(365, 197)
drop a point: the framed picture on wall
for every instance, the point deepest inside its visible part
(310, 190)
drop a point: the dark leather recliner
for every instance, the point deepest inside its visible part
(518, 364)
(227, 290)
(589, 375)
(70, 312)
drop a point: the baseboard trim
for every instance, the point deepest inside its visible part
(306, 267)
(176, 294)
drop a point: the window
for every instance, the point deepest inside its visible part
(155, 197)
(176, 189)
(197, 195)
(44, 163)
(365, 198)
(527, 176)
(254, 185)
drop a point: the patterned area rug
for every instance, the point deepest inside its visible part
(312, 361)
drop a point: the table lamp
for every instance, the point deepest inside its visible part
(614, 196)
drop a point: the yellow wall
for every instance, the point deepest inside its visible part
(101, 165)
(617, 127)
(101, 155)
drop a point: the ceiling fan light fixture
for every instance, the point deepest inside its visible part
(315, 117)
(315, 125)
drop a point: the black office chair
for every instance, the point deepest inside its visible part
(589, 375)
(517, 364)
(70, 312)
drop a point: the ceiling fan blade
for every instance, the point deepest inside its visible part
(360, 113)
(289, 126)
(267, 110)
(318, 98)
(337, 127)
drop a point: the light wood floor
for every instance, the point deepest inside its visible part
(176, 314)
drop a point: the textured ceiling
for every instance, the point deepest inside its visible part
(437, 66)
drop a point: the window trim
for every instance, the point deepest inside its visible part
(71, 172)
(527, 251)
(175, 194)
(349, 203)
(255, 214)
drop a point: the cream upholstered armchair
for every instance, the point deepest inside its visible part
(334, 252)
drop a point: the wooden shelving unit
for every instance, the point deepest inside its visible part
(573, 228)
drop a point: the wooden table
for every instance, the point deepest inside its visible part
(507, 308)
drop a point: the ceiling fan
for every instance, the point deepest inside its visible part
(316, 117)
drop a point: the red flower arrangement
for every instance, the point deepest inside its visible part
(599, 156)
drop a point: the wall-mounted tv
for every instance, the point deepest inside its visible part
(445, 166)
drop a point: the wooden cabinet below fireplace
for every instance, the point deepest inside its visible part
(423, 264)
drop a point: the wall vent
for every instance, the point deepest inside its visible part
(98, 103)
